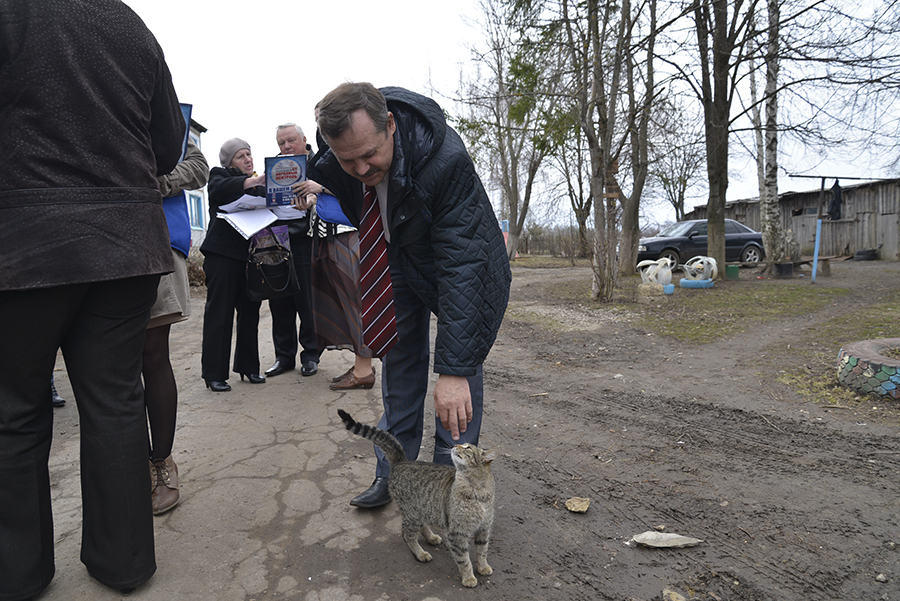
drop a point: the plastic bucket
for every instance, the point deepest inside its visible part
(732, 272)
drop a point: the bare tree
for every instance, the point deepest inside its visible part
(723, 41)
(677, 155)
(572, 163)
(640, 99)
(611, 111)
(510, 111)
(841, 73)
(598, 85)
(770, 215)
(831, 80)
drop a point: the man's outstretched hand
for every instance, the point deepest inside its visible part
(453, 403)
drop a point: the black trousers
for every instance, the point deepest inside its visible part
(100, 328)
(285, 310)
(226, 292)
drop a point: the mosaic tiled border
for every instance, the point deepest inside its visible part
(861, 367)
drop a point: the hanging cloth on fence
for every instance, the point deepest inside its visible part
(834, 207)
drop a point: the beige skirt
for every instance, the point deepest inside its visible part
(173, 297)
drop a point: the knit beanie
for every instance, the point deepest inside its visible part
(229, 149)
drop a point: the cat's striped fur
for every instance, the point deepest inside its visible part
(458, 501)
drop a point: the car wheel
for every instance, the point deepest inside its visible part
(672, 255)
(751, 254)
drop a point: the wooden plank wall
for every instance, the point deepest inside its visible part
(870, 215)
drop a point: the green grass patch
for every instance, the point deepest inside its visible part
(704, 315)
(881, 319)
(813, 372)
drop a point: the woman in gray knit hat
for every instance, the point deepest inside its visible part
(225, 258)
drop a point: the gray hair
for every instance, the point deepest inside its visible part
(287, 125)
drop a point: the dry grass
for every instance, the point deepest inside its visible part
(548, 262)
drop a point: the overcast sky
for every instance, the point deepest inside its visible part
(250, 66)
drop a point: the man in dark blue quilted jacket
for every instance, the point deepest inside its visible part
(446, 252)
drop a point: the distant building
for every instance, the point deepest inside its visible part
(869, 217)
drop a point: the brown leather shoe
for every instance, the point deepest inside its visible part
(164, 476)
(344, 375)
(351, 382)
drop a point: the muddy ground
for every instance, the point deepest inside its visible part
(794, 500)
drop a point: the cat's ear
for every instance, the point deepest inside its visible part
(489, 456)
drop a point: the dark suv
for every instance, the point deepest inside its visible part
(687, 239)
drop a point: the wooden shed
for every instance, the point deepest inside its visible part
(869, 217)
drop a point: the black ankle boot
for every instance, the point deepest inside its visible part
(58, 401)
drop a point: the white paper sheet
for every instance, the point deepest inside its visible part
(248, 223)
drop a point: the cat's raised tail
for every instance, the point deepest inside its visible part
(385, 441)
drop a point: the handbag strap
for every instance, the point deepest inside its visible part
(262, 272)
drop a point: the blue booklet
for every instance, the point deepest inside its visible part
(281, 173)
(186, 110)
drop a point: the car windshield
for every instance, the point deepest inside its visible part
(676, 229)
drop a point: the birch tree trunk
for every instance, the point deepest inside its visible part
(770, 213)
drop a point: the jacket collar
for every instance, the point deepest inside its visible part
(421, 129)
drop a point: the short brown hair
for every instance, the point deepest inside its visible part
(337, 108)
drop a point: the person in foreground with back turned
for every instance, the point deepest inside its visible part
(88, 119)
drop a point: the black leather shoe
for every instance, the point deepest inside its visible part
(124, 591)
(254, 378)
(218, 386)
(279, 367)
(309, 368)
(376, 495)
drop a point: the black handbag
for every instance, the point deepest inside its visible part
(271, 273)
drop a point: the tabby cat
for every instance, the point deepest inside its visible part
(456, 500)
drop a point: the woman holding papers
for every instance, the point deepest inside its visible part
(225, 259)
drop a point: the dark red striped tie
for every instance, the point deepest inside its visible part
(378, 322)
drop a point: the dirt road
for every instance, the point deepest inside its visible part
(793, 501)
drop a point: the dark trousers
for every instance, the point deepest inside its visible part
(226, 292)
(286, 309)
(404, 383)
(100, 328)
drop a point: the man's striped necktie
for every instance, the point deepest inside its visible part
(378, 322)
